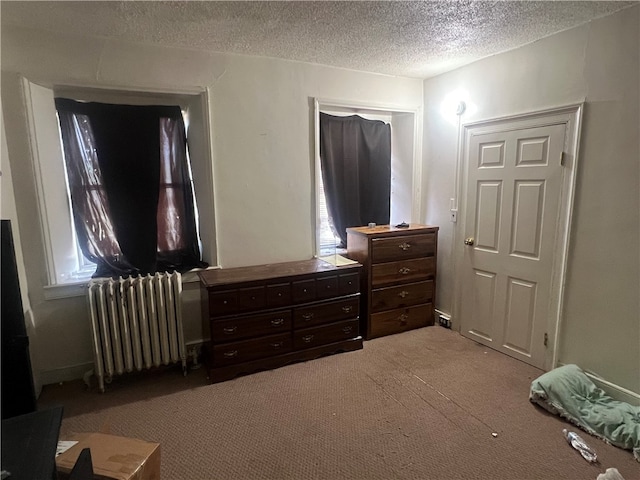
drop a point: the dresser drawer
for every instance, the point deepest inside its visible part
(250, 326)
(223, 303)
(401, 247)
(411, 270)
(278, 295)
(399, 320)
(247, 350)
(251, 299)
(349, 284)
(327, 287)
(335, 332)
(310, 315)
(405, 295)
(304, 291)
(228, 302)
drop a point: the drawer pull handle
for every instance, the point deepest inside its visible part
(276, 322)
(403, 319)
(307, 338)
(404, 270)
(403, 294)
(230, 330)
(276, 344)
(404, 246)
(347, 308)
(307, 316)
(347, 329)
(231, 354)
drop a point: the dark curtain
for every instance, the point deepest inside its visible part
(355, 156)
(130, 188)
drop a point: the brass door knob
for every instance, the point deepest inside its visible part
(469, 241)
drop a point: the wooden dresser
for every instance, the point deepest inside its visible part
(399, 281)
(266, 316)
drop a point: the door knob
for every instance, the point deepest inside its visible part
(469, 241)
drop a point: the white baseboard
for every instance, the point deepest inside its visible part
(616, 391)
(64, 374)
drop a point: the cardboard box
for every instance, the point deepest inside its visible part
(118, 458)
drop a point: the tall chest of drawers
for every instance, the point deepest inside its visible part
(266, 316)
(399, 280)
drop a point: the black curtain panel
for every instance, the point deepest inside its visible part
(355, 156)
(130, 187)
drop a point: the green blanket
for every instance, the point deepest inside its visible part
(568, 392)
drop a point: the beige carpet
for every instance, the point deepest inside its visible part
(419, 405)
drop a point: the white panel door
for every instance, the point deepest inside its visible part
(513, 189)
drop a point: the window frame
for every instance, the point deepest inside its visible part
(55, 213)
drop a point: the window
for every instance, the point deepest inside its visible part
(355, 161)
(64, 263)
(130, 186)
(405, 167)
(328, 240)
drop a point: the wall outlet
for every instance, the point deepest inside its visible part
(453, 216)
(444, 321)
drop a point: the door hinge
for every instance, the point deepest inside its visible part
(562, 157)
(546, 339)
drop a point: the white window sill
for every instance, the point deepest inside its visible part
(79, 289)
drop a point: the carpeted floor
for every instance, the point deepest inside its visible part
(423, 404)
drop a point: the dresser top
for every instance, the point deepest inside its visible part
(383, 230)
(211, 278)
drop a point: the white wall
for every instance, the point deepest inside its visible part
(262, 133)
(597, 63)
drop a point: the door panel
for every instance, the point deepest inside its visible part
(518, 331)
(488, 204)
(513, 189)
(482, 314)
(527, 218)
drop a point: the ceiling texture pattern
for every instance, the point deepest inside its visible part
(412, 39)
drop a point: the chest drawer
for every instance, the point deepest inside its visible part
(310, 315)
(402, 247)
(411, 270)
(250, 326)
(247, 350)
(335, 332)
(401, 296)
(394, 321)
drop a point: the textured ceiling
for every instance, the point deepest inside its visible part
(414, 39)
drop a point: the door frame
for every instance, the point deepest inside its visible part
(571, 117)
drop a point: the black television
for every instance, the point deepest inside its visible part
(18, 392)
